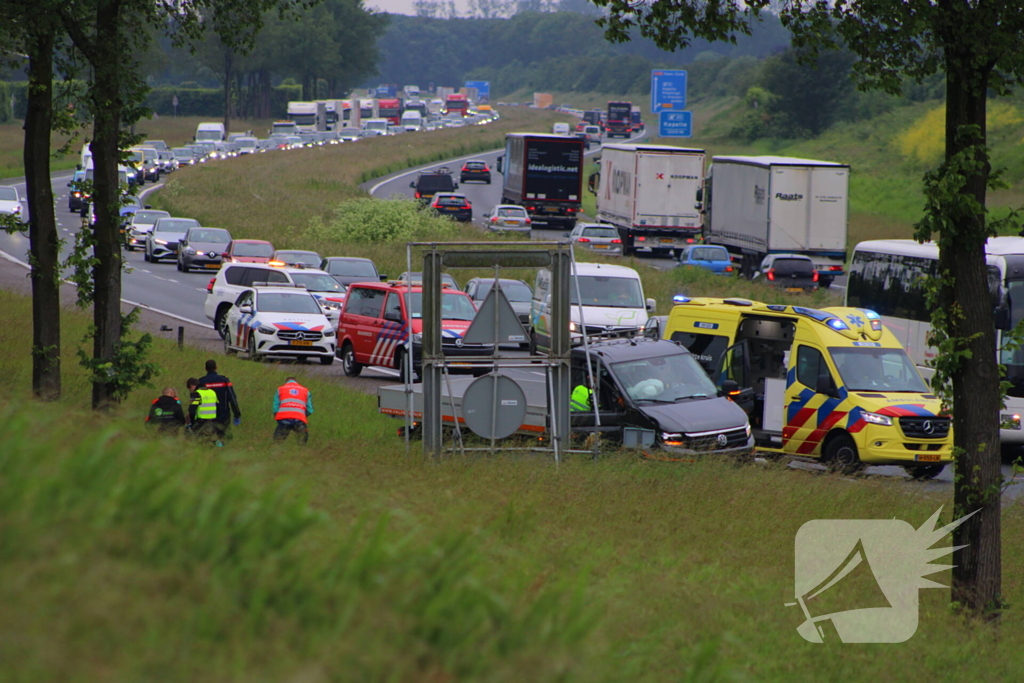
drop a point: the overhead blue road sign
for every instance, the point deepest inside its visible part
(675, 124)
(668, 90)
(483, 90)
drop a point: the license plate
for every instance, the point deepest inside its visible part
(927, 457)
(600, 246)
(794, 289)
(301, 342)
(213, 265)
(550, 209)
(666, 240)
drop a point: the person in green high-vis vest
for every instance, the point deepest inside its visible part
(581, 399)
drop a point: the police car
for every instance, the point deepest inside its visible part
(279, 321)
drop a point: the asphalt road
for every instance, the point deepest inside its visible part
(485, 196)
(180, 296)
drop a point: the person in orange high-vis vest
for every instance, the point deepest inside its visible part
(293, 404)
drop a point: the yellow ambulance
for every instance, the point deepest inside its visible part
(832, 384)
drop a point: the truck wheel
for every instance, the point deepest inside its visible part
(533, 343)
(841, 455)
(403, 371)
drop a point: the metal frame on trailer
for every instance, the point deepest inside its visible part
(556, 256)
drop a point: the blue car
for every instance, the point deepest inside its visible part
(715, 259)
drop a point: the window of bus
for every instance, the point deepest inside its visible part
(1015, 293)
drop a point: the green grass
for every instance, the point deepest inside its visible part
(129, 557)
(175, 131)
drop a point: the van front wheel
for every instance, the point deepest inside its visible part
(841, 455)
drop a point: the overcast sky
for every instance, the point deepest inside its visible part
(405, 6)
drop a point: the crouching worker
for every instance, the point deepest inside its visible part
(166, 414)
(293, 404)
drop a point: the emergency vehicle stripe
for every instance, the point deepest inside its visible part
(813, 439)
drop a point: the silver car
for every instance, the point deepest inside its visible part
(139, 228)
(162, 241)
(202, 248)
(597, 237)
(508, 217)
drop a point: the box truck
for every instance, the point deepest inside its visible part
(619, 119)
(650, 194)
(755, 206)
(543, 173)
(308, 116)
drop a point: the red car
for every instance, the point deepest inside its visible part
(375, 322)
(248, 251)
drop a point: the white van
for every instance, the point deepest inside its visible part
(560, 129)
(610, 302)
(378, 126)
(209, 131)
(412, 121)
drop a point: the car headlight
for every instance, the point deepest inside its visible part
(876, 419)
(574, 327)
(160, 241)
(328, 333)
(672, 439)
(189, 250)
(263, 329)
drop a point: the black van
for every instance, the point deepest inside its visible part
(430, 183)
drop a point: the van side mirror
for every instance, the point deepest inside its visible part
(730, 387)
(383, 277)
(651, 305)
(594, 182)
(392, 316)
(501, 164)
(824, 385)
(412, 184)
(700, 194)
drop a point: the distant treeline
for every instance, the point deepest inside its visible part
(191, 101)
(543, 51)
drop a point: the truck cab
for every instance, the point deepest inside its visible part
(833, 384)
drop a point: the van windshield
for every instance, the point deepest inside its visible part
(608, 292)
(876, 369)
(453, 306)
(664, 379)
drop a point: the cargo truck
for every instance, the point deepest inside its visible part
(390, 109)
(308, 116)
(755, 206)
(544, 174)
(619, 120)
(650, 194)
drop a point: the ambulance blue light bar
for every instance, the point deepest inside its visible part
(837, 324)
(680, 299)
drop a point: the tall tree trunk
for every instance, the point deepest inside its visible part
(107, 106)
(43, 240)
(229, 59)
(965, 296)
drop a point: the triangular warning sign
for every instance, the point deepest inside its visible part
(495, 322)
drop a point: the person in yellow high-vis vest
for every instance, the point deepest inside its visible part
(293, 404)
(581, 399)
(202, 412)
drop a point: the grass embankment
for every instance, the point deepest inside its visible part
(124, 556)
(175, 131)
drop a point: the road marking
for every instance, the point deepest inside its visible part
(4, 255)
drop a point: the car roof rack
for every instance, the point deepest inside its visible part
(276, 285)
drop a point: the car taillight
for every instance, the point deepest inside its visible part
(814, 278)
(418, 196)
(771, 274)
(728, 269)
(467, 206)
(209, 287)
(641, 238)
(531, 208)
(689, 240)
(616, 241)
(835, 267)
(529, 222)
(583, 239)
(494, 220)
